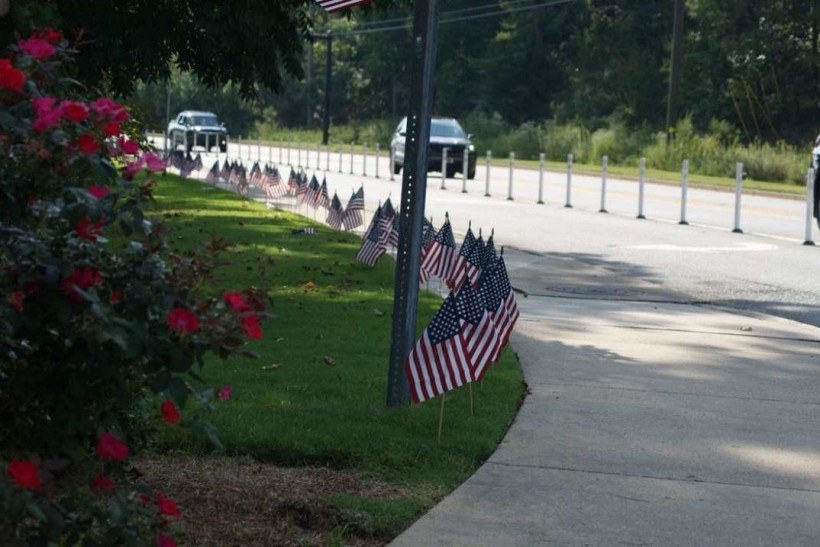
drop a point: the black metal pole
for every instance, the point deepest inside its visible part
(413, 192)
(674, 72)
(328, 60)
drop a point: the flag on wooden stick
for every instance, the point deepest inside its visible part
(439, 362)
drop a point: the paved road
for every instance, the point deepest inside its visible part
(767, 271)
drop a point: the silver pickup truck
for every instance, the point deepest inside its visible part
(193, 128)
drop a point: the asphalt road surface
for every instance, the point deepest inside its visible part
(580, 252)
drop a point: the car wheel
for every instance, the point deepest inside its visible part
(471, 172)
(396, 168)
(451, 171)
(223, 148)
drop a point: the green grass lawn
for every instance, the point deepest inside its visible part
(291, 406)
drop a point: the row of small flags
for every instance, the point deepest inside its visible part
(268, 179)
(473, 324)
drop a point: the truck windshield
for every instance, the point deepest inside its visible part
(204, 120)
(449, 129)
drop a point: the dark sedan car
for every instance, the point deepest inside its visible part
(444, 133)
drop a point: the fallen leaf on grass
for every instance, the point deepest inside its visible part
(309, 286)
(376, 312)
(272, 366)
(329, 360)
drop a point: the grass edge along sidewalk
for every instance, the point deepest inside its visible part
(316, 395)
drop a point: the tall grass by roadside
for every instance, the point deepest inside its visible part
(713, 153)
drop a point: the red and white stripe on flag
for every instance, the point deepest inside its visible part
(435, 369)
(336, 5)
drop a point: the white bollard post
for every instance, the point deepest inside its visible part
(809, 205)
(604, 167)
(487, 181)
(378, 149)
(270, 154)
(444, 168)
(568, 203)
(641, 184)
(259, 150)
(541, 178)
(738, 193)
(281, 145)
(239, 146)
(288, 145)
(512, 168)
(465, 158)
(299, 154)
(364, 160)
(351, 157)
(327, 156)
(340, 157)
(684, 190)
(392, 172)
(318, 155)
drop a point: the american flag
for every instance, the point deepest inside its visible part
(439, 255)
(197, 163)
(470, 266)
(274, 187)
(372, 248)
(301, 189)
(353, 216)
(242, 181)
(213, 174)
(311, 197)
(499, 300)
(323, 199)
(334, 213)
(428, 234)
(225, 171)
(439, 362)
(489, 257)
(255, 175)
(479, 332)
(335, 5)
(293, 182)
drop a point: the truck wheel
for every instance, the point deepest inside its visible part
(396, 168)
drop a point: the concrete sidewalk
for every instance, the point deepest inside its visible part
(649, 423)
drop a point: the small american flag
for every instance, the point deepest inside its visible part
(470, 268)
(499, 300)
(353, 216)
(428, 234)
(335, 5)
(372, 248)
(323, 199)
(439, 255)
(255, 175)
(479, 331)
(213, 174)
(490, 256)
(225, 171)
(197, 163)
(334, 213)
(439, 362)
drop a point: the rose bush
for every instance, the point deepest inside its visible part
(98, 315)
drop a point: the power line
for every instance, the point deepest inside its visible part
(444, 20)
(404, 20)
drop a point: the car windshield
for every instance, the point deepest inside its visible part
(440, 128)
(204, 120)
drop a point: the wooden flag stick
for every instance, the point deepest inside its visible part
(441, 417)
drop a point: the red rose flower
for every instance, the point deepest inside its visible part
(87, 144)
(250, 327)
(128, 146)
(169, 412)
(74, 110)
(236, 301)
(143, 499)
(116, 297)
(183, 320)
(111, 129)
(10, 77)
(83, 278)
(98, 192)
(101, 484)
(49, 35)
(109, 110)
(110, 447)
(224, 392)
(36, 47)
(89, 231)
(165, 541)
(166, 507)
(25, 474)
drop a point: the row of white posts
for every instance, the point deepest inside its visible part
(568, 200)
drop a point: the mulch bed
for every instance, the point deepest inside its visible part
(226, 501)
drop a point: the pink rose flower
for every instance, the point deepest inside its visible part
(37, 48)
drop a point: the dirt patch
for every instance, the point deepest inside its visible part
(226, 501)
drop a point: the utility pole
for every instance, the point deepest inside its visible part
(328, 61)
(413, 193)
(310, 70)
(674, 72)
